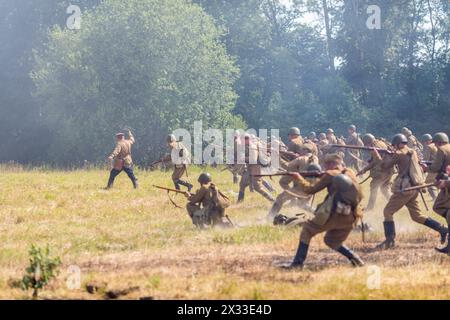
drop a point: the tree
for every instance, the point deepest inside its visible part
(154, 66)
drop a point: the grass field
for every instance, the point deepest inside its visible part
(138, 243)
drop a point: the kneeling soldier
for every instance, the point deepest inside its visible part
(121, 159)
(337, 215)
(207, 206)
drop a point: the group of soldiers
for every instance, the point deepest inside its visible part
(402, 169)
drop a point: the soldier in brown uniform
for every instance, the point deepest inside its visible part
(203, 206)
(302, 163)
(121, 159)
(353, 157)
(295, 139)
(429, 155)
(413, 142)
(180, 164)
(338, 213)
(253, 159)
(441, 166)
(402, 158)
(381, 179)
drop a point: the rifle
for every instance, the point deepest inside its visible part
(380, 150)
(171, 190)
(427, 163)
(305, 174)
(421, 187)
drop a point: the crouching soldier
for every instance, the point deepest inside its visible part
(207, 206)
(337, 215)
(121, 160)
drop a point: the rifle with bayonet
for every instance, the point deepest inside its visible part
(380, 150)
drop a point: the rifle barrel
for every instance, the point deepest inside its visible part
(361, 148)
(169, 189)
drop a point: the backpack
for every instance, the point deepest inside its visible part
(415, 171)
(220, 200)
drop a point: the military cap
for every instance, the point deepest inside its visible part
(440, 137)
(204, 178)
(171, 138)
(322, 136)
(312, 135)
(120, 134)
(399, 139)
(427, 137)
(313, 167)
(294, 131)
(368, 139)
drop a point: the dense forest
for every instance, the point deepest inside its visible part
(157, 65)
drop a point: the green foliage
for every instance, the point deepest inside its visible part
(41, 270)
(152, 65)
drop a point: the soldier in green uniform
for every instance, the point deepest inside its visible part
(381, 179)
(441, 166)
(337, 215)
(121, 159)
(403, 158)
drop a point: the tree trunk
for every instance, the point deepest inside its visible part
(329, 37)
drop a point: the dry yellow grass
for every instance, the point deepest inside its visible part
(122, 239)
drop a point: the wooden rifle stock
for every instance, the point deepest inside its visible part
(170, 189)
(305, 174)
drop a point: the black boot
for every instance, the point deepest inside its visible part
(241, 197)
(274, 211)
(389, 233)
(354, 259)
(300, 257)
(186, 184)
(446, 249)
(433, 224)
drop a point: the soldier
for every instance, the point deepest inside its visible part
(121, 160)
(403, 158)
(253, 159)
(302, 163)
(331, 137)
(381, 179)
(312, 137)
(337, 215)
(429, 155)
(180, 164)
(353, 157)
(413, 142)
(295, 139)
(207, 205)
(441, 166)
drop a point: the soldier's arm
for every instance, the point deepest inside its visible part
(314, 187)
(198, 196)
(131, 137)
(388, 162)
(116, 151)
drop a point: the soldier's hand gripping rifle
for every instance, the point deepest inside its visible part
(380, 150)
(169, 190)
